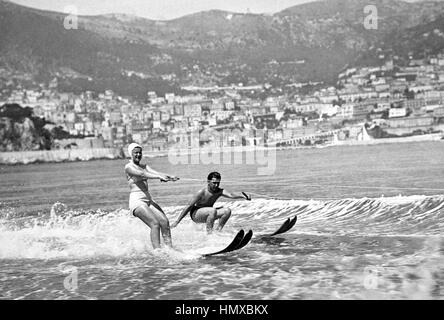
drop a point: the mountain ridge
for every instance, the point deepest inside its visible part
(210, 47)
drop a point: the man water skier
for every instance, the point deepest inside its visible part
(201, 205)
(141, 204)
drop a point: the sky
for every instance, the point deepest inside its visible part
(160, 9)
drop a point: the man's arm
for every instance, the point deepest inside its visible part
(228, 194)
(190, 205)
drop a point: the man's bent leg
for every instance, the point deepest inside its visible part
(206, 215)
(223, 214)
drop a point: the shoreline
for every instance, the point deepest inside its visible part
(59, 156)
(417, 138)
(78, 155)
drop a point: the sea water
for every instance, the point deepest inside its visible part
(370, 226)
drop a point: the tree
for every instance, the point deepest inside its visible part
(59, 133)
(18, 114)
(15, 112)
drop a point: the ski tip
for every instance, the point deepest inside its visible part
(286, 226)
(239, 241)
(282, 228)
(248, 236)
(293, 221)
(245, 240)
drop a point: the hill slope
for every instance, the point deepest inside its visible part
(131, 55)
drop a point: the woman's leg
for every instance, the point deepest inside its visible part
(164, 223)
(148, 217)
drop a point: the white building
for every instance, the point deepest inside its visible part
(346, 110)
(397, 112)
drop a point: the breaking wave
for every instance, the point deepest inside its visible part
(66, 234)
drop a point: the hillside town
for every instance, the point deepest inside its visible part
(389, 100)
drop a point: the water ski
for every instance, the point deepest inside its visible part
(240, 240)
(286, 226)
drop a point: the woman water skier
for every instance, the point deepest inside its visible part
(141, 204)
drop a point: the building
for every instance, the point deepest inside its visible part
(423, 121)
(266, 121)
(397, 112)
(229, 105)
(192, 110)
(293, 122)
(413, 104)
(169, 97)
(361, 110)
(346, 111)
